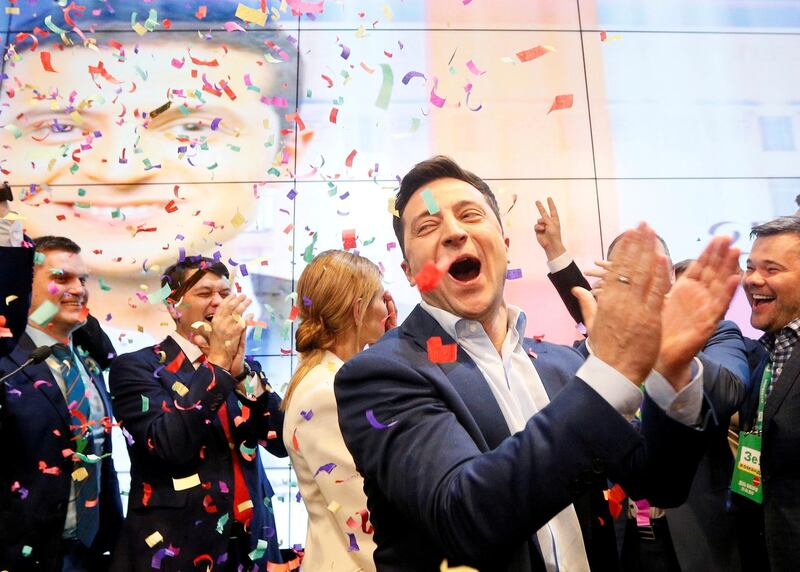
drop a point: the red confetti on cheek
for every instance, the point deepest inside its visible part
(428, 277)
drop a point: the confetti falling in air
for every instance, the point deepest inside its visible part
(561, 102)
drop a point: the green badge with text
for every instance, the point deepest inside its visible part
(746, 479)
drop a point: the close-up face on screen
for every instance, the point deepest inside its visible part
(262, 134)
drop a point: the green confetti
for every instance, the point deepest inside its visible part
(368, 242)
(38, 258)
(257, 333)
(430, 202)
(26, 550)
(145, 404)
(83, 205)
(103, 285)
(415, 123)
(81, 192)
(116, 213)
(274, 171)
(159, 295)
(48, 21)
(259, 550)
(385, 94)
(44, 313)
(141, 72)
(235, 148)
(74, 168)
(183, 109)
(223, 520)
(308, 253)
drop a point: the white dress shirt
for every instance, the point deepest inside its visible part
(520, 394)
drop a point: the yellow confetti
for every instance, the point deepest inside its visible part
(251, 15)
(387, 11)
(10, 298)
(12, 10)
(179, 388)
(185, 483)
(80, 474)
(445, 568)
(154, 539)
(392, 210)
(238, 220)
(139, 29)
(246, 505)
(76, 117)
(334, 506)
(201, 325)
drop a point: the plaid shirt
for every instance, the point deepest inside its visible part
(780, 347)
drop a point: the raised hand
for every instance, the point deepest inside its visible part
(391, 307)
(626, 333)
(227, 328)
(548, 230)
(694, 307)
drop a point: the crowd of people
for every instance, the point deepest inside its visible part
(452, 440)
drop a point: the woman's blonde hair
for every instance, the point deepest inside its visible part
(326, 292)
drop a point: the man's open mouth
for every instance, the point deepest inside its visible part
(465, 268)
(209, 317)
(761, 299)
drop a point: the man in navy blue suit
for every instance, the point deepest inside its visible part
(196, 415)
(59, 496)
(497, 458)
(668, 540)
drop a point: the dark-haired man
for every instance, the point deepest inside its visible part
(769, 520)
(59, 496)
(497, 458)
(196, 415)
(667, 540)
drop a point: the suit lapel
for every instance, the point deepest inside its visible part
(38, 372)
(783, 385)
(551, 380)
(464, 375)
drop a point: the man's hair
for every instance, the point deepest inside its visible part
(780, 225)
(175, 275)
(682, 266)
(109, 22)
(616, 240)
(47, 243)
(438, 167)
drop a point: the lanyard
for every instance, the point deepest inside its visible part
(766, 381)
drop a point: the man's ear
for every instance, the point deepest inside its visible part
(407, 271)
(173, 311)
(358, 311)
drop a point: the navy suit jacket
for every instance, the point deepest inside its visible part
(176, 433)
(445, 479)
(34, 430)
(702, 529)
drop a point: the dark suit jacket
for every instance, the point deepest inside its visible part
(446, 480)
(16, 277)
(780, 463)
(702, 529)
(175, 436)
(34, 430)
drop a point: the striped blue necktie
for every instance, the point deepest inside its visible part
(86, 490)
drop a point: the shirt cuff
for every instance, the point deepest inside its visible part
(612, 386)
(683, 406)
(559, 263)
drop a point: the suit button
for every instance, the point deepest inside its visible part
(598, 467)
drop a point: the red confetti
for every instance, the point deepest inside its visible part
(171, 207)
(533, 53)
(334, 114)
(350, 157)
(440, 353)
(561, 102)
(147, 493)
(46, 62)
(429, 277)
(293, 313)
(349, 238)
(200, 14)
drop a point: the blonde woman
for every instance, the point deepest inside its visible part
(343, 307)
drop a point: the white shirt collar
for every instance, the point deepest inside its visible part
(455, 325)
(41, 338)
(192, 351)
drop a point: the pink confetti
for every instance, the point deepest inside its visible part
(473, 68)
(435, 99)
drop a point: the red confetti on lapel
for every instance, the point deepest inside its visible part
(441, 353)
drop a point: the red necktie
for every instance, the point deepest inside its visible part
(241, 496)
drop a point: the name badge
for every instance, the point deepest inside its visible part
(746, 479)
